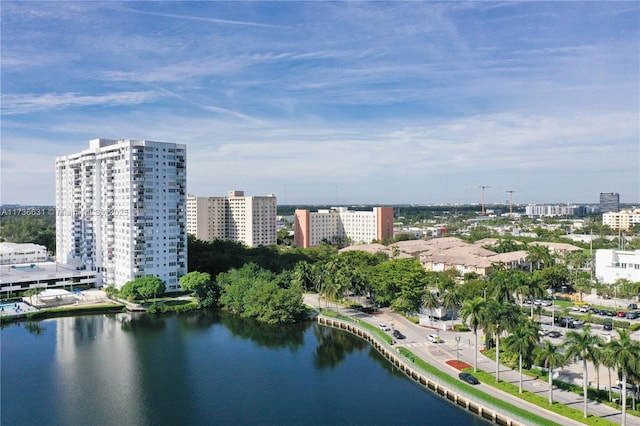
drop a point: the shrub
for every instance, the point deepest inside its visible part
(461, 327)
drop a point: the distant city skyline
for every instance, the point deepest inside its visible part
(333, 103)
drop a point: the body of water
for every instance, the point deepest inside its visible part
(133, 369)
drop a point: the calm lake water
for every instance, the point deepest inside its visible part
(132, 369)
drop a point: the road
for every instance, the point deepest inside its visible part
(438, 353)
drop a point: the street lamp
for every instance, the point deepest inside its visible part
(458, 349)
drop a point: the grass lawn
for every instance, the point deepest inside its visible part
(539, 400)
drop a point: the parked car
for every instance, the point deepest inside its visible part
(632, 306)
(469, 378)
(547, 302)
(384, 327)
(608, 324)
(433, 338)
(543, 332)
(618, 390)
(611, 313)
(398, 335)
(632, 314)
(567, 322)
(622, 314)
(585, 308)
(602, 312)
(554, 334)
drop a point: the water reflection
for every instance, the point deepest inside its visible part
(35, 327)
(210, 368)
(289, 336)
(334, 346)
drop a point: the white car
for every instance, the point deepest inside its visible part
(384, 327)
(433, 338)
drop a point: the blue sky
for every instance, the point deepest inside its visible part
(333, 102)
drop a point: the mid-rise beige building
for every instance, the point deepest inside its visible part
(249, 220)
(623, 219)
(342, 226)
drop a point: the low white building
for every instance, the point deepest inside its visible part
(612, 265)
(45, 275)
(13, 253)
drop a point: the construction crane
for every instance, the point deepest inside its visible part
(511, 203)
(483, 187)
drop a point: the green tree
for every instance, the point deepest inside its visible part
(553, 277)
(142, 288)
(401, 281)
(149, 287)
(550, 357)
(471, 314)
(583, 347)
(202, 286)
(624, 354)
(522, 342)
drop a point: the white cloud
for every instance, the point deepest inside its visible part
(20, 104)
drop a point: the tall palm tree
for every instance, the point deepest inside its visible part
(607, 360)
(502, 286)
(303, 274)
(550, 357)
(471, 314)
(583, 347)
(496, 319)
(522, 342)
(625, 355)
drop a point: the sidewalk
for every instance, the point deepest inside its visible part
(439, 354)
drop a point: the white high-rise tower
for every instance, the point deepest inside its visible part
(121, 210)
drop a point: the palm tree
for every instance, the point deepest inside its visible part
(538, 254)
(472, 311)
(498, 317)
(430, 302)
(583, 347)
(550, 357)
(522, 342)
(607, 360)
(451, 301)
(303, 274)
(502, 286)
(625, 355)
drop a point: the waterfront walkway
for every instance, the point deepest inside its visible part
(438, 354)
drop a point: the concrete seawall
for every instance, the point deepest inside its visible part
(455, 396)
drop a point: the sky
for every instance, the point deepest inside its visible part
(332, 102)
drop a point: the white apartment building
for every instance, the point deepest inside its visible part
(121, 210)
(612, 265)
(551, 210)
(623, 219)
(13, 253)
(341, 225)
(250, 220)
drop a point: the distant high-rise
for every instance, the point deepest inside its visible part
(249, 220)
(121, 210)
(609, 202)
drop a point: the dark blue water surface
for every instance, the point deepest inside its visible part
(128, 369)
